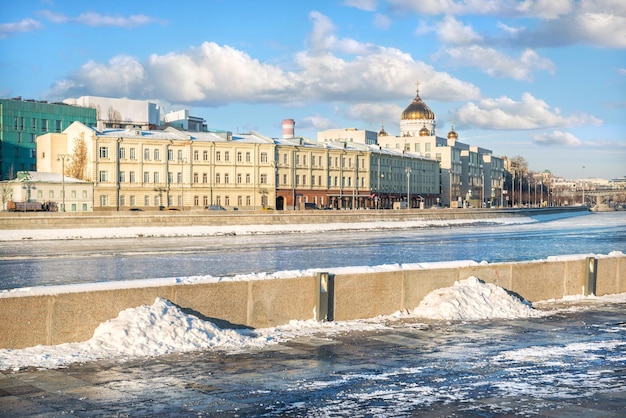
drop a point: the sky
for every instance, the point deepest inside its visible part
(540, 79)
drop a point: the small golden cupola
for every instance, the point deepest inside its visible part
(424, 131)
(452, 134)
(382, 130)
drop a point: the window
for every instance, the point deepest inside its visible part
(84, 194)
(39, 194)
(297, 159)
(170, 155)
(73, 194)
(146, 200)
(304, 160)
(103, 176)
(427, 147)
(132, 176)
(196, 156)
(248, 178)
(239, 200)
(57, 125)
(407, 147)
(84, 207)
(248, 158)
(73, 207)
(312, 180)
(170, 177)
(297, 179)
(122, 177)
(284, 178)
(122, 200)
(205, 155)
(226, 155)
(146, 177)
(132, 154)
(248, 201)
(122, 153)
(263, 178)
(180, 154)
(132, 200)
(34, 124)
(205, 178)
(227, 200)
(239, 156)
(146, 154)
(284, 158)
(239, 178)
(104, 152)
(157, 154)
(179, 178)
(51, 194)
(44, 125)
(320, 161)
(196, 177)
(205, 200)
(264, 157)
(156, 177)
(217, 178)
(218, 156)
(196, 200)
(226, 178)
(104, 200)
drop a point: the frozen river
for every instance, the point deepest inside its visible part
(28, 263)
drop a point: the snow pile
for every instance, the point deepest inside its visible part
(154, 330)
(472, 299)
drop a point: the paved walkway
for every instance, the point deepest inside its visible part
(410, 370)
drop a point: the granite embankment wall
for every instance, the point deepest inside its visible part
(41, 220)
(68, 315)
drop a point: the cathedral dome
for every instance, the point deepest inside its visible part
(417, 110)
(424, 131)
(382, 131)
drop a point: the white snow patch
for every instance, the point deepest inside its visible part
(472, 299)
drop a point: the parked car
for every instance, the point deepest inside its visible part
(215, 207)
(135, 210)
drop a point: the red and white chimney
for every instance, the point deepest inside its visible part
(289, 128)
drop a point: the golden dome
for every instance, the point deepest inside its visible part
(417, 110)
(424, 131)
(452, 134)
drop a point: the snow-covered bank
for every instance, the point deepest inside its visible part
(163, 328)
(199, 231)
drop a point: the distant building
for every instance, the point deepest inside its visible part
(470, 175)
(69, 194)
(181, 119)
(22, 121)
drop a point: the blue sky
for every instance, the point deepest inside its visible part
(541, 79)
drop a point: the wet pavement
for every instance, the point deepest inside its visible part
(568, 364)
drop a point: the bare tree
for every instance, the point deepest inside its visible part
(77, 168)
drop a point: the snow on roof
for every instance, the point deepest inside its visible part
(43, 177)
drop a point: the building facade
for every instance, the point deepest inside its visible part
(22, 121)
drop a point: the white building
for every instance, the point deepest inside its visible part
(120, 113)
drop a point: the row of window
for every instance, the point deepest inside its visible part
(20, 124)
(177, 200)
(51, 194)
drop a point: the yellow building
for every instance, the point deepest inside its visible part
(131, 168)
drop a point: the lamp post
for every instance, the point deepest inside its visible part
(63, 158)
(408, 187)
(182, 162)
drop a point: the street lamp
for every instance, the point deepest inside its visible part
(63, 158)
(408, 187)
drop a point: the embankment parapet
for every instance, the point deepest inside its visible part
(73, 316)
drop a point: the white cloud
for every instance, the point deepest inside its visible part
(556, 138)
(545, 9)
(24, 25)
(495, 63)
(529, 113)
(451, 31)
(97, 19)
(621, 71)
(382, 21)
(214, 75)
(367, 5)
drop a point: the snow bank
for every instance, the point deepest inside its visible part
(472, 299)
(202, 230)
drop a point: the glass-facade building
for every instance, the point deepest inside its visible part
(21, 121)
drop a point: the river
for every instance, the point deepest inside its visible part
(29, 263)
